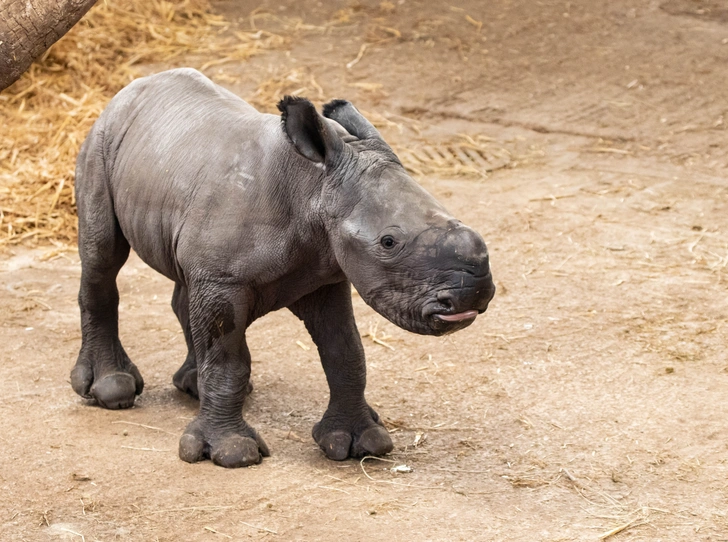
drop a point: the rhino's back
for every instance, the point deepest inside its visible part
(179, 146)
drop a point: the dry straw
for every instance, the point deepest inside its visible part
(48, 112)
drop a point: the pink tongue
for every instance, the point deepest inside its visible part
(467, 315)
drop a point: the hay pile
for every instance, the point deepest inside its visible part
(48, 112)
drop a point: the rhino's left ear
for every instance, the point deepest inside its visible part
(308, 131)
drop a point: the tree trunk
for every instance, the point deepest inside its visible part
(29, 27)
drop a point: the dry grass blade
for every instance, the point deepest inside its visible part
(264, 529)
(641, 517)
(378, 339)
(47, 113)
(617, 530)
(210, 529)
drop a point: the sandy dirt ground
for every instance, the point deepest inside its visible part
(590, 401)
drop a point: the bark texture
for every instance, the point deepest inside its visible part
(29, 27)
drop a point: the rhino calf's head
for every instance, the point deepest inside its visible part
(409, 259)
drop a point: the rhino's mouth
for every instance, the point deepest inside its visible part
(457, 317)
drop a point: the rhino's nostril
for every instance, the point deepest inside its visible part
(445, 298)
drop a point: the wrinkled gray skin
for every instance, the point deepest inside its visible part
(249, 213)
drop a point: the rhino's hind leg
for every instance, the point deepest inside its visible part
(217, 323)
(103, 371)
(185, 379)
(349, 427)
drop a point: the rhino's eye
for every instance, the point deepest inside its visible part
(388, 241)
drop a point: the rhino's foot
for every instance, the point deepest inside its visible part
(230, 449)
(112, 385)
(341, 436)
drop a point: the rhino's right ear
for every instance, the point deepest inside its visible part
(308, 131)
(349, 117)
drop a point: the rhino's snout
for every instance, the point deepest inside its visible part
(467, 295)
(462, 298)
(466, 285)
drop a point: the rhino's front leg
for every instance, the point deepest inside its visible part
(350, 427)
(218, 319)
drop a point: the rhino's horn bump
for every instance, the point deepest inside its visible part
(333, 105)
(351, 119)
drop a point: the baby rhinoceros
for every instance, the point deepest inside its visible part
(249, 213)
